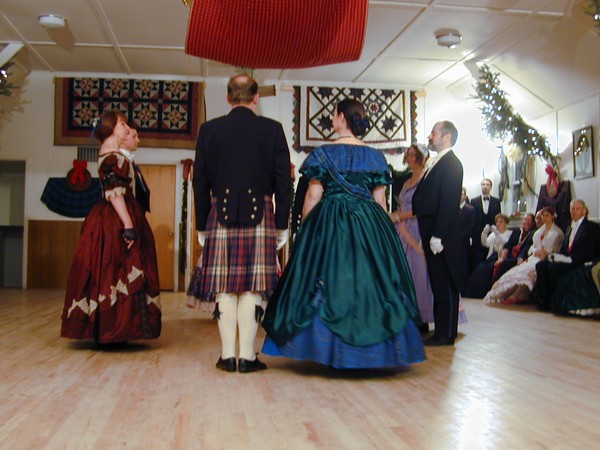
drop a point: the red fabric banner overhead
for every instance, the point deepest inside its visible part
(277, 34)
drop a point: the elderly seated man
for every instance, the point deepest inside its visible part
(580, 245)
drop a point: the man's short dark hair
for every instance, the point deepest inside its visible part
(448, 127)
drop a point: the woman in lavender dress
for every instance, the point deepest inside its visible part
(408, 230)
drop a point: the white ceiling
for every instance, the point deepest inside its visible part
(546, 50)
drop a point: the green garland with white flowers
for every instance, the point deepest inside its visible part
(503, 124)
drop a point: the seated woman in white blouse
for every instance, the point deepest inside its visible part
(493, 238)
(515, 285)
(496, 236)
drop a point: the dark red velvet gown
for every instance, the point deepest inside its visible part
(112, 292)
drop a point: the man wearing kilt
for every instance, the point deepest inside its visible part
(242, 163)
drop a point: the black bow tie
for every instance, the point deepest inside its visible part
(486, 199)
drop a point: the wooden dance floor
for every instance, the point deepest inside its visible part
(516, 379)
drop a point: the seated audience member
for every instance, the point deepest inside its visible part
(515, 250)
(494, 238)
(578, 292)
(580, 246)
(515, 285)
(467, 224)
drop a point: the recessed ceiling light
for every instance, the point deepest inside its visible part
(52, 21)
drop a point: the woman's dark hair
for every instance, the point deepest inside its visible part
(550, 210)
(354, 112)
(106, 124)
(532, 218)
(419, 156)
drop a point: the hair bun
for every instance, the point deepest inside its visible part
(360, 124)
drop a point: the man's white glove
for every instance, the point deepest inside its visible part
(435, 244)
(559, 258)
(495, 230)
(201, 238)
(486, 229)
(282, 238)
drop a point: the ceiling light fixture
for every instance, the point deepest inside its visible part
(449, 39)
(51, 21)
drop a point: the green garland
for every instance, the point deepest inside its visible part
(504, 125)
(593, 9)
(5, 85)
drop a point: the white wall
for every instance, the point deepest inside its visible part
(27, 134)
(479, 156)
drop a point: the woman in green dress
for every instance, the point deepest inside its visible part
(346, 297)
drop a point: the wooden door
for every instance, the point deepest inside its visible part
(161, 180)
(50, 248)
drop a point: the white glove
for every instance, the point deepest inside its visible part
(559, 258)
(435, 244)
(495, 230)
(486, 229)
(201, 238)
(282, 238)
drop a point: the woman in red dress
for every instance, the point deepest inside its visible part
(112, 291)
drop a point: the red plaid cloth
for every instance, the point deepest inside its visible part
(239, 258)
(277, 34)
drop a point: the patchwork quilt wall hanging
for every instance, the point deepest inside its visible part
(392, 113)
(167, 113)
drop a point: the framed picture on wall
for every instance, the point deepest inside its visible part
(583, 153)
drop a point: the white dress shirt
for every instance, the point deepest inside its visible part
(485, 204)
(432, 161)
(574, 228)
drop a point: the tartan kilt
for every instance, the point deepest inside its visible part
(239, 258)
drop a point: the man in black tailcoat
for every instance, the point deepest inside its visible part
(436, 204)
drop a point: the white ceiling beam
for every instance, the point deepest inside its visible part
(9, 52)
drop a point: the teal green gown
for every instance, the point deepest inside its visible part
(346, 297)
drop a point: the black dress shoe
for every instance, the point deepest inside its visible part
(424, 328)
(437, 341)
(228, 365)
(246, 366)
(543, 307)
(111, 345)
